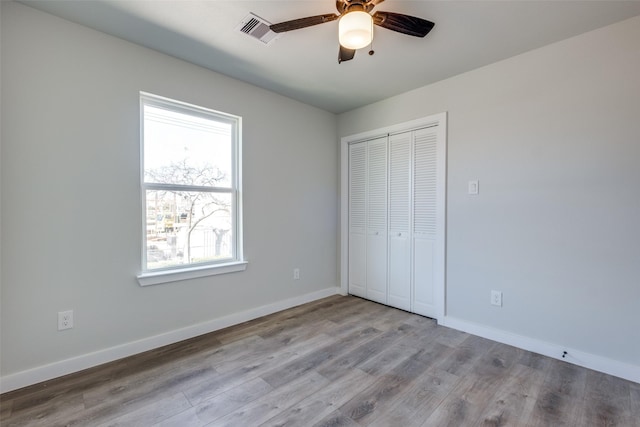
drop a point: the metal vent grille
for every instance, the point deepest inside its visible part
(257, 28)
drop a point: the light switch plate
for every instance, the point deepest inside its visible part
(474, 187)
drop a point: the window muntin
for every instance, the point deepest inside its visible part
(190, 186)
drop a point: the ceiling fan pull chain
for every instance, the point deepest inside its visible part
(371, 51)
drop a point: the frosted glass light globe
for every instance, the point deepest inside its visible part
(355, 30)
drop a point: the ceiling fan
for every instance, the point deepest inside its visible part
(355, 25)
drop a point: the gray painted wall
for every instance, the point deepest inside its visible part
(71, 216)
(553, 136)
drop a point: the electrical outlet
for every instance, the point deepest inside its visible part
(496, 298)
(296, 274)
(65, 320)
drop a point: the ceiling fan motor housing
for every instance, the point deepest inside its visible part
(345, 6)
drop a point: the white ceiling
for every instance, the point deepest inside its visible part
(303, 64)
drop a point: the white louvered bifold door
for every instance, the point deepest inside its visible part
(376, 261)
(424, 220)
(396, 217)
(400, 221)
(357, 219)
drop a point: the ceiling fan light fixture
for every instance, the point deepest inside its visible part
(355, 30)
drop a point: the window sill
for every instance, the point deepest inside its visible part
(167, 276)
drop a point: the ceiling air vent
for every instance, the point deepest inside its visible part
(257, 28)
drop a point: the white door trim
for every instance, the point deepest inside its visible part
(439, 120)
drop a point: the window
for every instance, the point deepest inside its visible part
(190, 191)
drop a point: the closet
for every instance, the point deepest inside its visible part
(395, 224)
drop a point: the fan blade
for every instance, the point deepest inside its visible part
(345, 54)
(309, 21)
(404, 24)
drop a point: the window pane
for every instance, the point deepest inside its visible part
(186, 149)
(186, 227)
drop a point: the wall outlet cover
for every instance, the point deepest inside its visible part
(65, 320)
(496, 298)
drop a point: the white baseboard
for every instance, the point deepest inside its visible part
(597, 363)
(78, 363)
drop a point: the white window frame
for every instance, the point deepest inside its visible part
(191, 271)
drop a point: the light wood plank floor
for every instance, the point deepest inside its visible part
(340, 361)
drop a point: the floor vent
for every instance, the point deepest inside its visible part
(257, 28)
